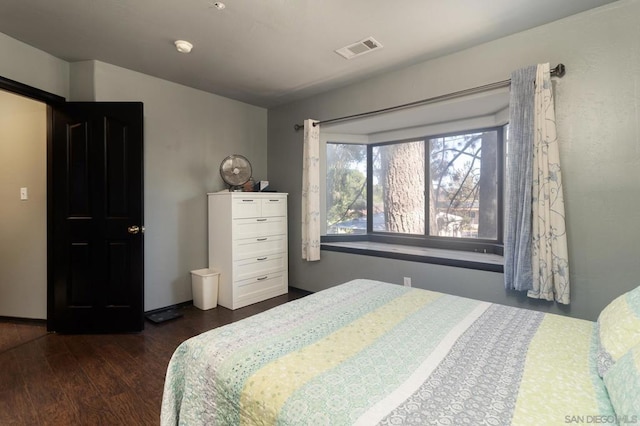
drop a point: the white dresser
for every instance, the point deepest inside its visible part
(248, 246)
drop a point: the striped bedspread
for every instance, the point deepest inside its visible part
(368, 353)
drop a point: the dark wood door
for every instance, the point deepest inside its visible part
(96, 243)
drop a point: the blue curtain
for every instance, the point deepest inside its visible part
(518, 273)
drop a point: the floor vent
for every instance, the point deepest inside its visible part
(367, 45)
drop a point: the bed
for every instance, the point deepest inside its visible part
(367, 352)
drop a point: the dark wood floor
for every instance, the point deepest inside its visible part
(102, 379)
(16, 332)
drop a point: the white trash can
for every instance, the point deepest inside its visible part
(204, 286)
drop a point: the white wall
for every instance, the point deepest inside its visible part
(23, 261)
(597, 106)
(23, 223)
(31, 66)
(188, 133)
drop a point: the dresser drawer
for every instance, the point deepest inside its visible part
(274, 207)
(260, 246)
(246, 207)
(254, 287)
(258, 227)
(257, 266)
(252, 206)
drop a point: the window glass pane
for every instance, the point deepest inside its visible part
(346, 188)
(398, 188)
(464, 185)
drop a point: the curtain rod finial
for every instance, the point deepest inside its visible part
(297, 127)
(559, 70)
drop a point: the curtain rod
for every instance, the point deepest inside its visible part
(558, 71)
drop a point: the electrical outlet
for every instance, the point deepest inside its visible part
(407, 281)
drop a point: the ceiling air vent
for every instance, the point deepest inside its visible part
(367, 45)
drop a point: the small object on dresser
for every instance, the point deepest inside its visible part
(235, 171)
(249, 186)
(261, 185)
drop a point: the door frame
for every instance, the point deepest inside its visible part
(51, 100)
(30, 92)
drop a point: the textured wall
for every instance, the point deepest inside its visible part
(23, 261)
(28, 65)
(23, 224)
(598, 126)
(187, 135)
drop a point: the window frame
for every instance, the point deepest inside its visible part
(432, 241)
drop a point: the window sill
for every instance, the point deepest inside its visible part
(456, 258)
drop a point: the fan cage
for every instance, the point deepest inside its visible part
(235, 171)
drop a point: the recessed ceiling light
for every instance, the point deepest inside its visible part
(183, 46)
(219, 5)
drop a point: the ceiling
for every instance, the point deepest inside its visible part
(269, 52)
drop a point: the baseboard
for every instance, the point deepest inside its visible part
(18, 320)
(307, 292)
(190, 302)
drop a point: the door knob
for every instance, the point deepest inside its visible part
(133, 229)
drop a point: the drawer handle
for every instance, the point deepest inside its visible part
(262, 278)
(275, 201)
(262, 258)
(261, 239)
(247, 201)
(261, 220)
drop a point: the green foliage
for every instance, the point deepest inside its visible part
(346, 182)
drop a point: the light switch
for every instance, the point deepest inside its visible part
(24, 195)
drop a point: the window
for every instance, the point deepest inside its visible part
(438, 191)
(346, 188)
